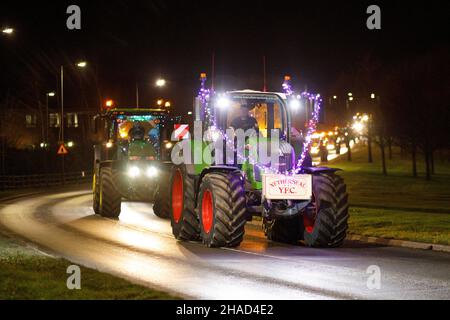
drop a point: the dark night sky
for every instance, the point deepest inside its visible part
(129, 41)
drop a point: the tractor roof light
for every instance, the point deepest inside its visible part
(223, 102)
(294, 104)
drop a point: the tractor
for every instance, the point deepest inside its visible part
(131, 159)
(211, 201)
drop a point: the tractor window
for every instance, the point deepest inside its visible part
(268, 116)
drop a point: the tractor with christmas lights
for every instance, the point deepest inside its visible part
(212, 200)
(131, 158)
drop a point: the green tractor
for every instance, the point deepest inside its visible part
(131, 159)
(211, 201)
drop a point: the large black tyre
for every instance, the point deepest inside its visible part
(283, 230)
(110, 196)
(325, 220)
(222, 209)
(184, 221)
(161, 205)
(95, 194)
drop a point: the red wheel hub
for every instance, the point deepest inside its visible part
(207, 211)
(177, 196)
(309, 217)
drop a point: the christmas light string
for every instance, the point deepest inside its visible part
(204, 96)
(312, 123)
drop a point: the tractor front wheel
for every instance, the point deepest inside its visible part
(110, 198)
(185, 225)
(222, 209)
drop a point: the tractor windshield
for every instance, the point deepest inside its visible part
(264, 112)
(138, 127)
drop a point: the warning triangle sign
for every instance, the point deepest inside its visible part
(62, 149)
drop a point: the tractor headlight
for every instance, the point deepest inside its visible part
(134, 171)
(152, 172)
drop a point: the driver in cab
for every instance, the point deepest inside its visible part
(244, 120)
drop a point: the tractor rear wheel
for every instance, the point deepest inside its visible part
(185, 225)
(325, 219)
(110, 196)
(222, 209)
(282, 230)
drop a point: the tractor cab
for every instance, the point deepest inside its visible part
(132, 156)
(140, 134)
(267, 109)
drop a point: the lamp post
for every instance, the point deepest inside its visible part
(80, 64)
(47, 122)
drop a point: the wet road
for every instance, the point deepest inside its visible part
(140, 247)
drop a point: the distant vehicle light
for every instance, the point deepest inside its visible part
(358, 127)
(314, 150)
(70, 144)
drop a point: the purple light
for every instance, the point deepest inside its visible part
(204, 96)
(312, 124)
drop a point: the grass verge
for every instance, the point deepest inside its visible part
(398, 205)
(26, 274)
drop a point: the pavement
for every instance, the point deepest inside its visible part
(140, 247)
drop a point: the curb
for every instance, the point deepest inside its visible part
(390, 242)
(400, 243)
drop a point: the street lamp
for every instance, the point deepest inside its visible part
(350, 94)
(82, 64)
(167, 104)
(350, 98)
(334, 97)
(160, 83)
(8, 31)
(159, 102)
(372, 96)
